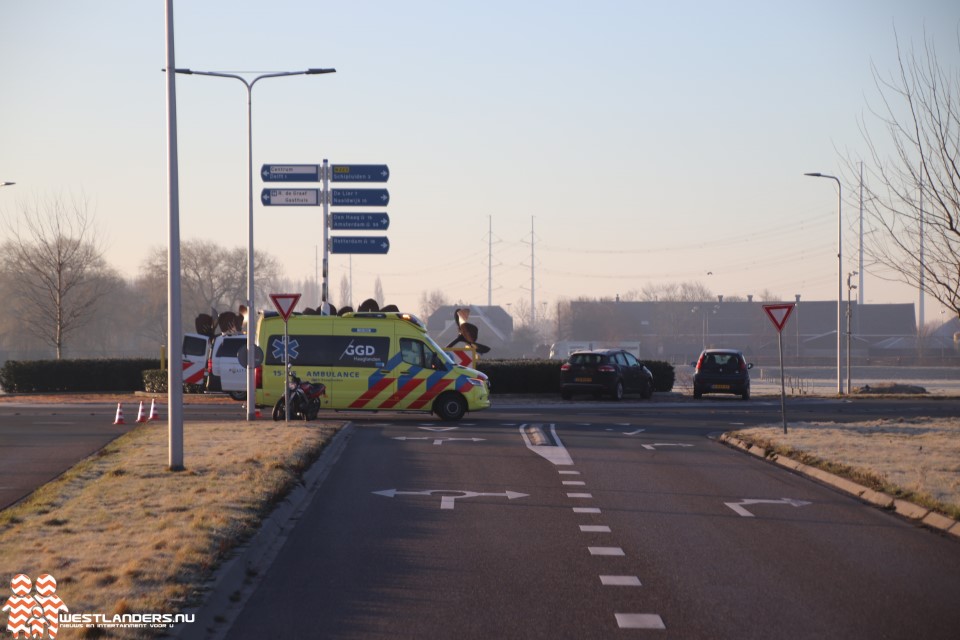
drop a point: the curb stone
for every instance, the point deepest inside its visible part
(234, 582)
(904, 508)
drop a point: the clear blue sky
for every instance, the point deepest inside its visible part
(649, 142)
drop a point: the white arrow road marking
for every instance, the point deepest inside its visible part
(447, 501)
(738, 507)
(438, 440)
(653, 447)
(551, 449)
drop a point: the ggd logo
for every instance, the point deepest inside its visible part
(360, 350)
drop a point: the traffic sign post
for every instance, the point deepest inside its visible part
(360, 244)
(359, 197)
(326, 197)
(359, 221)
(779, 314)
(290, 173)
(360, 173)
(285, 302)
(290, 197)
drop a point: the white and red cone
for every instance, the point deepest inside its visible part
(141, 416)
(154, 412)
(119, 418)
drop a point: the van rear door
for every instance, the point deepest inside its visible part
(194, 352)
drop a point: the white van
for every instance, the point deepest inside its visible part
(224, 371)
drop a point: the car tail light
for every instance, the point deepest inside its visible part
(606, 368)
(565, 366)
(700, 362)
(743, 366)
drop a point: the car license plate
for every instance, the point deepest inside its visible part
(583, 379)
(721, 386)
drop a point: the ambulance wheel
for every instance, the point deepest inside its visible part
(450, 406)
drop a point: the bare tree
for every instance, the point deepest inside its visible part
(54, 264)
(345, 297)
(212, 277)
(430, 302)
(912, 181)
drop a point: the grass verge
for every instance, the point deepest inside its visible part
(122, 534)
(917, 460)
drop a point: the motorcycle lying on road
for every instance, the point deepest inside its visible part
(304, 399)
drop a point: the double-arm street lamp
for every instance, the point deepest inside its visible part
(251, 316)
(6, 184)
(839, 270)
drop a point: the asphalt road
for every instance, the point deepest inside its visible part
(597, 520)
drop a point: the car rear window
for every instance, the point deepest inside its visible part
(717, 360)
(587, 359)
(194, 346)
(229, 348)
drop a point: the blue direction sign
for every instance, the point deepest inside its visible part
(360, 173)
(360, 197)
(359, 244)
(290, 197)
(360, 221)
(290, 173)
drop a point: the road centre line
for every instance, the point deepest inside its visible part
(573, 483)
(639, 621)
(579, 495)
(594, 528)
(586, 510)
(567, 472)
(606, 551)
(620, 581)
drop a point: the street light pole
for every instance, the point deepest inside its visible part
(839, 270)
(850, 288)
(251, 316)
(7, 184)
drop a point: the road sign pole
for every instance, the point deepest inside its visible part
(326, 235)
(286, 375)
(783, 386)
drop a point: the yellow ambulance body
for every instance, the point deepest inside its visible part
(374, 361)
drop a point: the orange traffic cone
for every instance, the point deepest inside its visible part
(256, 413)
(154, 412)
(119, 418)
(141, 416)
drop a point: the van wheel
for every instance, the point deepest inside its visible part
(238, 395)
(450, 406)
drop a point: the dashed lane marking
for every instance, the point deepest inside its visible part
(639, 621)
(594, 528)
(606, 551)
(620, 581)
(586, 510)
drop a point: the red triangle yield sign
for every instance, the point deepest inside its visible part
(778, 314)
(285, 302)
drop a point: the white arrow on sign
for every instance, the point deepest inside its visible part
(438, 440)
(653, 447)
(447, 501)
(738, 507)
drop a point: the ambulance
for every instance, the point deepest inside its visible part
(373, 361)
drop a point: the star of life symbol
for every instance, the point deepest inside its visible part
(35, 614)
(292, 349)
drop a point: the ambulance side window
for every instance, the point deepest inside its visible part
(417, 353)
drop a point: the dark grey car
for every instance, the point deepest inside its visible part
(605, 371)
(722, 371)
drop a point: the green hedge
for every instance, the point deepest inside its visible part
(16, 376)
(21, 376)
(543, 376)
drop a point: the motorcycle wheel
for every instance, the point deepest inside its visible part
(313, 409)
(278, 410)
